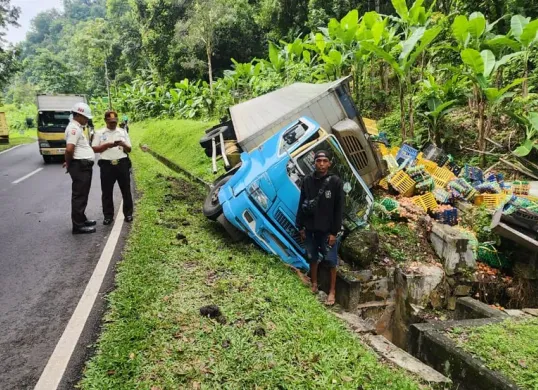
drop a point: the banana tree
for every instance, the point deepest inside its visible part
(402, 66)
(481, 68)
(525, 32)
(530, 122)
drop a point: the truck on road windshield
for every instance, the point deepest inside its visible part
(278, 135)
(53, 112)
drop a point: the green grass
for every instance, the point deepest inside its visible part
(510, 347)
(178, 141)
(16, 138)
(154, 337)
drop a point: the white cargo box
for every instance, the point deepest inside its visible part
(58, 102)
(258, 119)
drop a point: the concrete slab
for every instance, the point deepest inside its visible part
(532, 312)
(404, 360)
(356, 323)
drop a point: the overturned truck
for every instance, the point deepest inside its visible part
(268, 146)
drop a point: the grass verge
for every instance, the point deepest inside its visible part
(178, 141)
(17, 138)
(273, 332)
(510, 347)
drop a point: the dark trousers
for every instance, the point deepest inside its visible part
(81, 174)
(109, 175)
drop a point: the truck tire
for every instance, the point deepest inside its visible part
(227, 133)
(212, 209)
(47, 159)
(235, 234)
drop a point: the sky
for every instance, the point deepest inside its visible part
(29, 9)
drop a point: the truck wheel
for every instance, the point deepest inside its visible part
(205, 141)
(235, 234)
(212, 207)
(47, 159)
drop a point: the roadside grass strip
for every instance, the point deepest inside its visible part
(510, 347)
(272, 334)
(16, 138)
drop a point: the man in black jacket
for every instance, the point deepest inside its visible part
(319, 218)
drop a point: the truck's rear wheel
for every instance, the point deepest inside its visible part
(212, 208)
(47, 159)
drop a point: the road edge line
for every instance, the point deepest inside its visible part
(10, 149)
(57, 364)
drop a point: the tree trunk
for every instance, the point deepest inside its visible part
(481, 133)
(525, 85)
(402, 110)
(372, 77)
(411, 118)
(208, 50)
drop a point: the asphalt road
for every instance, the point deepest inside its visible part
(44, 269)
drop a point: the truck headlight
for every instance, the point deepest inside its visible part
(258, 196)
(44, 144)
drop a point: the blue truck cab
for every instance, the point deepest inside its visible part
(261, 198)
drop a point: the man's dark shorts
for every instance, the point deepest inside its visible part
(317, 248)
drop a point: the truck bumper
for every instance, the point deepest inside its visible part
(241, 212)
(52, 151)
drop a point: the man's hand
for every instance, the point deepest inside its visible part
(303, 235)
(332, 240)
(64, 165)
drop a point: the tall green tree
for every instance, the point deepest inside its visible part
(8, 55)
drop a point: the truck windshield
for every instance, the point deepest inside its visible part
(53, 120)
(357, 200)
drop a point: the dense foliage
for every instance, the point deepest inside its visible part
(409, 63)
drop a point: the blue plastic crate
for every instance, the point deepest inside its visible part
(447, 217)
(406, 152)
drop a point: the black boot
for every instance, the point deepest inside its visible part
(83, 230)
(90, 222)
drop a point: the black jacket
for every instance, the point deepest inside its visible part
(330, 209)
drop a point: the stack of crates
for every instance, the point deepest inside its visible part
(402, 183)
(441, 195)
(429, 166)
(521, 187)
(441, 177)
(389, 204)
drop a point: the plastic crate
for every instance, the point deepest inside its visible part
(473, 174)
(406, 152)
(389, 204)
(441, 195)
(429, 166)
(447, 217)
(491, 201)
(394, 150)
(426, 201)
(383, 149)
(521, 187)
(402, 183)
(442, 176)
(383, 183)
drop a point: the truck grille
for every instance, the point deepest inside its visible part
(288, 227)
(57, 144)
(355, 152)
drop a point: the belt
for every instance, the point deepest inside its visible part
(112, 162)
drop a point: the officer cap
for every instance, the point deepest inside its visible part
(111, 116)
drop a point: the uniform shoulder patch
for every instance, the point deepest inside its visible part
(73, 132)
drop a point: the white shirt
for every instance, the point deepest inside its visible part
(74, 134)
(104, 136)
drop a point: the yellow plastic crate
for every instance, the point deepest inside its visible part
(394, 150)
(383, 149)
(383, 183)
(520, 188)
(371, 126)
(441, 176)
(491, 201)
(530, 197)
(403, 183)
(426, 201)
(429, 166)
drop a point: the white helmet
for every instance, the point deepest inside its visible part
(82, 109)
